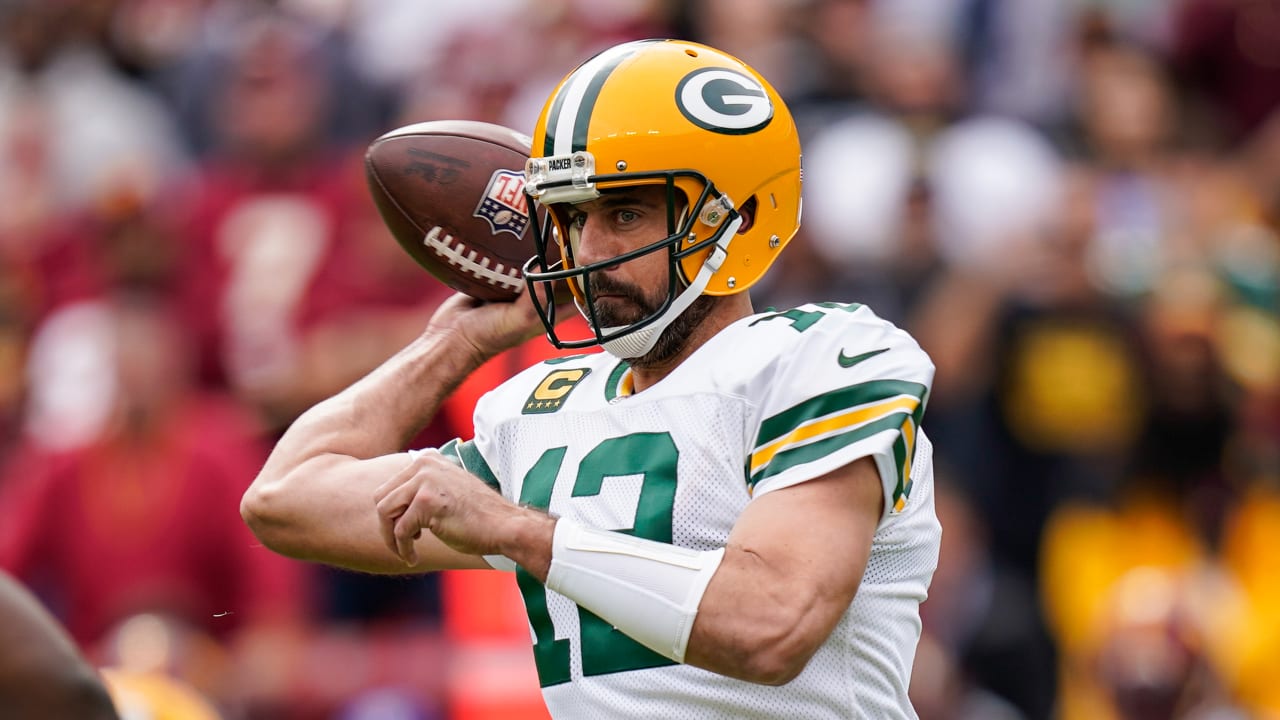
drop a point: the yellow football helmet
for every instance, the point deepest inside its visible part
(676, 113)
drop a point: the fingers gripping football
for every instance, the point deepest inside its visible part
(434, 494)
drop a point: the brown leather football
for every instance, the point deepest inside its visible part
(452, 194)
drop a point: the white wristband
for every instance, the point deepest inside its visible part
(648, 590)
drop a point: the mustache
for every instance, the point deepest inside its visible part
(604, 285)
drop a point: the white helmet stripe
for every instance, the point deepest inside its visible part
(578, 98)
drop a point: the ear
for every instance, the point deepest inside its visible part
(748, 213)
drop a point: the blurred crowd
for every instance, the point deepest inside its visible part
(1074, 205)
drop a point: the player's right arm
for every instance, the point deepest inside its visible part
(314, 498)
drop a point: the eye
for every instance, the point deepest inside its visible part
(628, 216)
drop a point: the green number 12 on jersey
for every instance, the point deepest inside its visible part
(604, 649)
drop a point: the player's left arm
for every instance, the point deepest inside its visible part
(791, 567)
(832, 462)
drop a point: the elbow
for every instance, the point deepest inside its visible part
(254, 509)
(260, 510)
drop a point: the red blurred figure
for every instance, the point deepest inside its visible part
(292, 285)
(143, 517)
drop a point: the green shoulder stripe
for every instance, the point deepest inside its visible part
(905, 443)
(468, 455)
(792, 418)
(800, 454)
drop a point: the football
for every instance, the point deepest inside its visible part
(452, 194)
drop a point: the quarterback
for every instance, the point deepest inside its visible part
(711, 513)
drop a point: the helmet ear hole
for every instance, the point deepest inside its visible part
(748, 213)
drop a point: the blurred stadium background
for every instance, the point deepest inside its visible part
(1073, 204)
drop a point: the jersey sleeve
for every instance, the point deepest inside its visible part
(847, 385)
(467, 455)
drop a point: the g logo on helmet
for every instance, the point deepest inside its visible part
(724, 101)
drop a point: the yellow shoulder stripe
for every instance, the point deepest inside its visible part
(845, 420)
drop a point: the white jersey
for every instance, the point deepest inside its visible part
(773, 400)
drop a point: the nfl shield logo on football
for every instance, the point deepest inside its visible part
(503, 205)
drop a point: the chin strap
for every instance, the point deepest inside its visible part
(637, 343)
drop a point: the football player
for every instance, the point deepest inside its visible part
(725, 513)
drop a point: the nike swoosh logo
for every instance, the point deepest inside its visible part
(847, 362)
